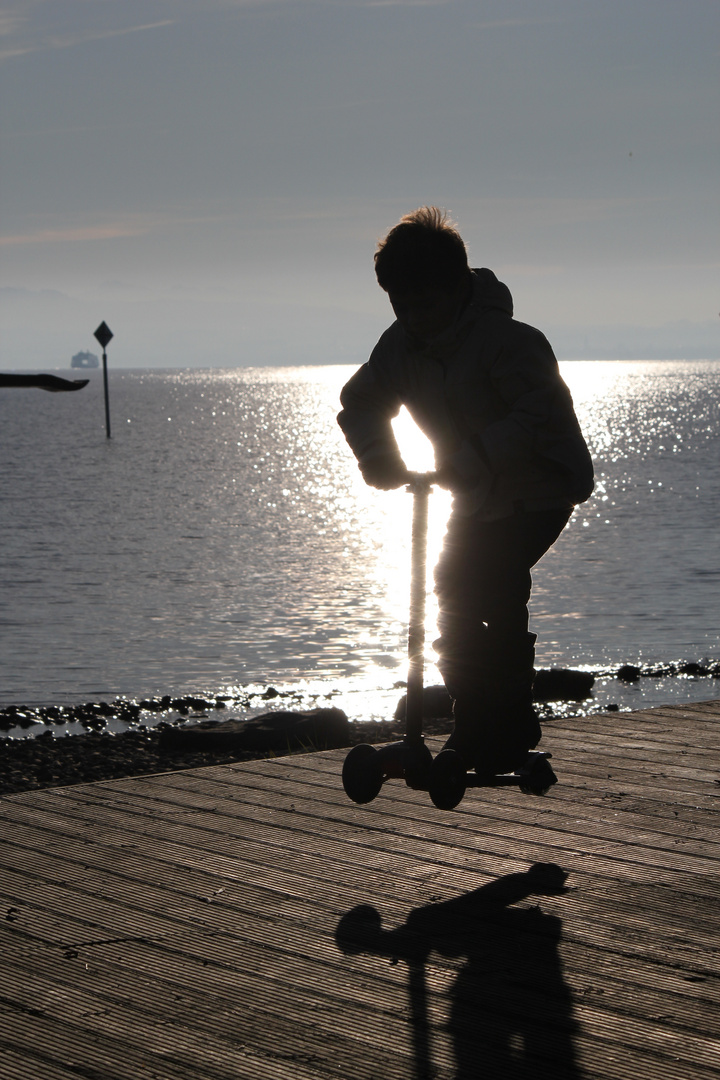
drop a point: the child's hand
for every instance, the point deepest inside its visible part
(386, 472)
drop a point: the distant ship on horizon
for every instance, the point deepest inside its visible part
(85, 360)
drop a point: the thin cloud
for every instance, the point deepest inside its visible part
(406, 3)
(133, 225)
(531, 270)
(82, 234)
(10, 25)
(67, 42)
(29, 34)
(502, 24)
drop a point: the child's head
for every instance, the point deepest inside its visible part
(422, 265)
(423, 251)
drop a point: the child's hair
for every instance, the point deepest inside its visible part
(424, 250)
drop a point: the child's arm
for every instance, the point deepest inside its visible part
(369, 406)
(540, 422)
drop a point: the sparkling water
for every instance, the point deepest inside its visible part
(223, 538)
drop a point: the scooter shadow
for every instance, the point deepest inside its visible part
(510, 1013)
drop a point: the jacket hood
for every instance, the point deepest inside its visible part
(489, 293)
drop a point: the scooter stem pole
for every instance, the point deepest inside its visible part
(420, 488)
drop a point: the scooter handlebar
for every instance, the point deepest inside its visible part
(421, 482)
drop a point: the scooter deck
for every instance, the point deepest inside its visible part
(449, 779)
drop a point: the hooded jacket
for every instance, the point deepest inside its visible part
(488, 394)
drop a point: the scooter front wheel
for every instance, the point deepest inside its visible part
(418, 765)
(362, 773)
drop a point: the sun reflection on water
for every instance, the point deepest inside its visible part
(246, 549)
(292, 465)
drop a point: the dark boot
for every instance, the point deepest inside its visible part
(496, 725)
(493, 742)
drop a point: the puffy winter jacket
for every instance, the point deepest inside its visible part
(489, 396)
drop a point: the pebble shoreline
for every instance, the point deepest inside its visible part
(29, 764)
(45, 761)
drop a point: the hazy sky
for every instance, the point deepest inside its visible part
(210, 176)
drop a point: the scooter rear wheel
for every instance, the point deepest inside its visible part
(362, 773)
(539, 777)
(448, 780)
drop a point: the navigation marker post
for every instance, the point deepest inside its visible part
(105, 335)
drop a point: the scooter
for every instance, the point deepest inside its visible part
(366, 768)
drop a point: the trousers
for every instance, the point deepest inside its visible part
(483, 585)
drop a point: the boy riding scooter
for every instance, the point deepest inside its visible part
(487, 392)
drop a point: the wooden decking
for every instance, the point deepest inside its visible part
(248, 921)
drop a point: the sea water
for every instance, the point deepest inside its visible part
(222, 538)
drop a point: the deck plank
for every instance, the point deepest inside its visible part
(248, 921)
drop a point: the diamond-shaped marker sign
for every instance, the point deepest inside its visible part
(104, 334)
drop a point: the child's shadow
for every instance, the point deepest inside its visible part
(511, 1011)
